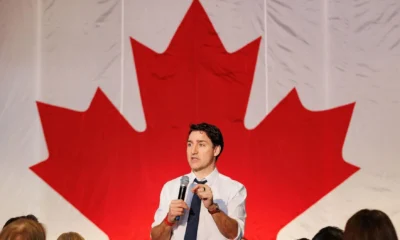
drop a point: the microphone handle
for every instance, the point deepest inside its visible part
(181, 196)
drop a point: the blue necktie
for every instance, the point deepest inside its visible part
(194, 215)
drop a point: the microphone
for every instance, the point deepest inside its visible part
(182, 191)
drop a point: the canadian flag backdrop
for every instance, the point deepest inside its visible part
(96, 98)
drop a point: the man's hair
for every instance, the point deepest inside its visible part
(23, 229)
(30, 216)
(369, 225)
(329, 233)
(212, 132)
(70, 236)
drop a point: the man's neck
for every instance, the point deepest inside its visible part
(204, 172)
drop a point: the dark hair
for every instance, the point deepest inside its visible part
(329, 233)
(30, 216)
(303, 239)
(212, 132)
(369, 225)
(23, 228)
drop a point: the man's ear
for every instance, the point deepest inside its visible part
(217, 151)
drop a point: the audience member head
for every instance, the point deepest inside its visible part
(369, 225)
(329, 233)
(30, 216)
(70, 236)
(23, 229)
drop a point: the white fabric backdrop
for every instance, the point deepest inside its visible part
(333, 52)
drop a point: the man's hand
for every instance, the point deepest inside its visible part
(205, 194)
(163, 231)
(176, 208)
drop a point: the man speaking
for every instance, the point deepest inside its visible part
(214, 205)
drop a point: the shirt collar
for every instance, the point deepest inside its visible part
(210, 178)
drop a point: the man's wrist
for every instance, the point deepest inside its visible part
(166, 221)
(213, 208)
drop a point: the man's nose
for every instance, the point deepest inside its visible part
(194, 149)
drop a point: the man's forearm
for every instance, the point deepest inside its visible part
(226, 225)
(161, 232)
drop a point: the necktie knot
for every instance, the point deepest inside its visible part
(200, 182)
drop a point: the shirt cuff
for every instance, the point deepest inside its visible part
(240, 231)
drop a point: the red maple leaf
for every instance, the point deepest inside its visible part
(113, 174)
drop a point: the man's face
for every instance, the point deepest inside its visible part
(200, 151)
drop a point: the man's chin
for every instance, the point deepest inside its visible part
(196, 168)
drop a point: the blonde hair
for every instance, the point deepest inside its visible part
(23, 229)
(70, 236)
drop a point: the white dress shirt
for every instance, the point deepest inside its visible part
(229, 194)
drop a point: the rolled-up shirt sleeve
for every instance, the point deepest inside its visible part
(163, 207)
(237, 210)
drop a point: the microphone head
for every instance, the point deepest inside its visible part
(184, 181)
